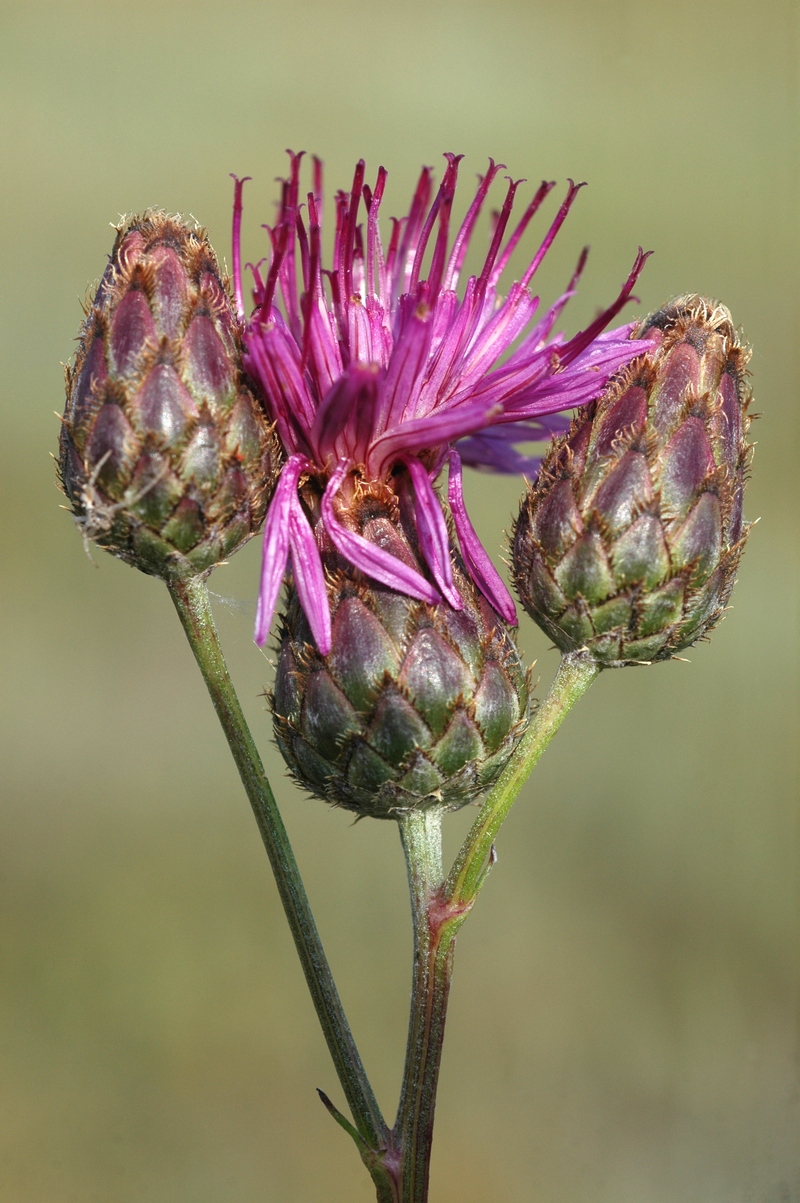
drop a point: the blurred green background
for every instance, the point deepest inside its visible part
(624, 1019)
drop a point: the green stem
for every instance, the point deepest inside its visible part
(194, 608)
(398, 1160)
(575, 674)
(438, 909)
(435, 927)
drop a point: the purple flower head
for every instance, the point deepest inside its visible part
(380, 369)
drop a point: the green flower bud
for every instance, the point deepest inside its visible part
(416, 705)
(629, 540)
(165, 455)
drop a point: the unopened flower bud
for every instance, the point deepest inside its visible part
(417, 704)
(165, 453)
(628, 542)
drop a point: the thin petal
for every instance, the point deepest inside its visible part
(579, 384)
(369, 559)
(482, 452)
(376, 266)
(359, 333)
(544, 188)
(560, 218)
(276, 544)
(515, 313)
(309, 578)
(462, 238)
(541, 385)
(432, 528)
(405, 372)
(276, 359)
(411, 230)
(448, 345)
(586, 337)
(496, 447)
(236, 240)
(476, 558)
(437, 429)
(345, 420)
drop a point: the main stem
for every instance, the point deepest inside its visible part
(439, 908)
(435, 927)
(194, 608)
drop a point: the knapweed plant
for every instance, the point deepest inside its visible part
(326, 411)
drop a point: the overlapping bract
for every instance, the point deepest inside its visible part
(416, 705)
(376, 368)
(166, 455)
(628, 542)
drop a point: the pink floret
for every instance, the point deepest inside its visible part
(379, 365)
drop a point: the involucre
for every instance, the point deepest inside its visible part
(628, 542)
(416, 705)
(166, 455)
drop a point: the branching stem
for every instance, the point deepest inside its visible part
(575, 674)
(398, 1159)
(438, 909)
(194, 608)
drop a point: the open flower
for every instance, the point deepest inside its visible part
(377, 370)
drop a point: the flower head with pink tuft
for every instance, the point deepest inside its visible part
(376, 373)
